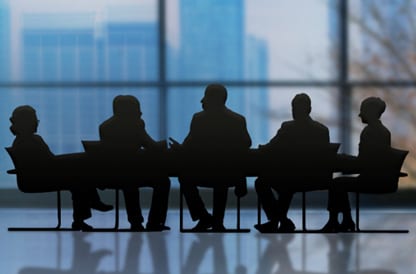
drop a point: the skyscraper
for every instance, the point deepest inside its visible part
(212, 41)
(4, 41)
(123, 52)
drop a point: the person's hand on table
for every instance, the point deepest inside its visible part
(173, 144)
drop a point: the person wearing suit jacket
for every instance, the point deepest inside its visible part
(216, 138)
(54, 172)
(125, 134)
(299, 134)
(375, 143)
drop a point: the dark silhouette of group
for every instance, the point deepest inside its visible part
(212, 155)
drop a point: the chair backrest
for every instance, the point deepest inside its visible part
(27, 180)
(92, 146)
(303, 168)
(385, 177)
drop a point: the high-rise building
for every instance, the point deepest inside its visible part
(131, 52)
(123, 52)
(212, 41)
(4, 41)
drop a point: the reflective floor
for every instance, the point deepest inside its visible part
(173, 252)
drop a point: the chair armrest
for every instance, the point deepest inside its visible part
(12, 171)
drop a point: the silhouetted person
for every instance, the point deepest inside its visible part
(276, 253)
(53, 172)
(198, 251)
(134, 248)
(125, 133)
(339, 252)
(375, 141)
(300, 134)
(216, 138)
(84, 260)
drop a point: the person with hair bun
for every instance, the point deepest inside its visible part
(50, 172)
(375, 141)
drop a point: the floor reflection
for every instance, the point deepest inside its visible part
(173, 252)
(206, 253)
(342, 249)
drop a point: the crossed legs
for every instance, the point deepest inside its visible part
(275, 209)
(197, 207)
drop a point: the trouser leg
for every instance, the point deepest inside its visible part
(193, 199)
(132, 201)
(220, 202)
(80, 204)
(338, 200)
(160, 199)
(266, 199)
(283, 204)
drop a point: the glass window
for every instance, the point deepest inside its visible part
(264, 109)
(399, 118)
(76, 40)
(249, 40)
(69, 115)
(382, 39)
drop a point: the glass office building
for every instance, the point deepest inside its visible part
(70, 59)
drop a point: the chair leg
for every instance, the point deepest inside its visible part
(258, 211)
(303, 211)
(117, 216)
(238, 213)
(357, 211)
(59, 220)
(357, 221)
(58, 208)
(180, 209)
(239, 229)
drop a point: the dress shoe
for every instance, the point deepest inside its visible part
(286, 226)
(218, 228)
(137, 227)
(204, 224)
(331, 227)
(269, 227)
(347, 226)
(100, 206)
(81, 226)
(156, 227)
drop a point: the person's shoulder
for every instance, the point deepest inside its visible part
(107, 122)
(199, 115)
(320, 126)
(286, 124)
(234, 115)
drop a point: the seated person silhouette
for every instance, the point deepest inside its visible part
(54, 171)
(302, 133)
(125, 133)
(375, 141)
(217, 136)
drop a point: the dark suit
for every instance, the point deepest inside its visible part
(375, 141)
(52, 172)
(213, 143)
(295, 137)
(126, 137)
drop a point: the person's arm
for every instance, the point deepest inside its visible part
(276, 139)
(247, 138)
(147, 141)
(189, 138)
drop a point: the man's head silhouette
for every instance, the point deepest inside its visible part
(371, 109)
(301, 106)
(215, 97)
(126, 106)
(24, 120)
